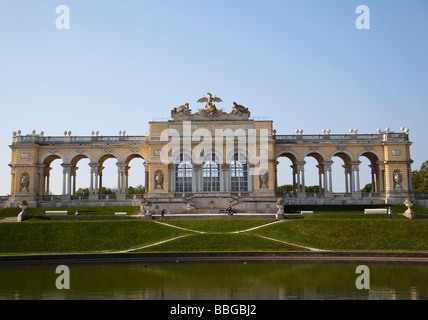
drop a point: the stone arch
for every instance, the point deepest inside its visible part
(48, 157)
(187, 155)
(102, 156)
(344, 154)
(230, 154)
(208, 151)
(373, 155)
(290, 154)
(76, 156)
(132, 155)
(319, 155)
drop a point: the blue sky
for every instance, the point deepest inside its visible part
(303, 64)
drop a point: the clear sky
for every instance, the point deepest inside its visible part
(303, 64)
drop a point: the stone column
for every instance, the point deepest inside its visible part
(197, 178)
(328, 187)
(48, 178)
(301, 178)
(41, 179)
(73, 175)
(171, 177)
(66, 179)
(94, 186)
(373, 176)
(320, 177)
(294, 167)
(355, 174)
(126, 184)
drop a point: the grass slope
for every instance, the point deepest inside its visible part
(221, 242)
(80, 236)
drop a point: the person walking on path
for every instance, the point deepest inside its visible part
(389, 212)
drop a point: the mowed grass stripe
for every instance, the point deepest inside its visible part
(370, 235)
(81, 236)
(209, 242)
(218, 225)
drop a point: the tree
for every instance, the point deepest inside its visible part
(286, 188)
(105, 190)
(137, 190)
(367, 188)
(312, 189)
(420, 179)
(82, 191)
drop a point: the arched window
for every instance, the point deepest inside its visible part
(239, 174)
(183, 176)
(211, 175)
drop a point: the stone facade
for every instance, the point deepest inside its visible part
(209, 159)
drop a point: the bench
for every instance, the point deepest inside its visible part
(368, 211)
(306, 212)
(221, 211)
(120, 213)
(56, 213)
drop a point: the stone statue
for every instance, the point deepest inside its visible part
(409, 212)
(263, 179)
(22, 216)
(159, 179)
(181, 110)
(238, 109)
(280, 206)
(25, 181)
(397, 179)
(145, 208)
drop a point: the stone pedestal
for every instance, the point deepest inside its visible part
(280, 206)
(22, 216)
(357, 195)
(409, 214)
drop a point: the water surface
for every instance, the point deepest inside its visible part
(214, 281)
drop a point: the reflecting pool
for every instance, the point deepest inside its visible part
(215, 281)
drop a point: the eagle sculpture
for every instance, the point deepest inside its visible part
(210, 107)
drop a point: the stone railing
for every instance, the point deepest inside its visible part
(341, 138)
(47, 140)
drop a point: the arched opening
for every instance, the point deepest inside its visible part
(211, 174)
(51, 177)
(341, 173)
(239, 173)
(285, 174)
(183, 176)
(106, 176)
(80, 176)
(314, 173)
(136, 174)
(370, 173)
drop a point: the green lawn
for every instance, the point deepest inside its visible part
(80, 236)
(83, 211)
(353, 234)
(221, 242)
(102, 231)
(217, 225)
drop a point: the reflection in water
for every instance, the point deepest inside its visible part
(214, 281)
